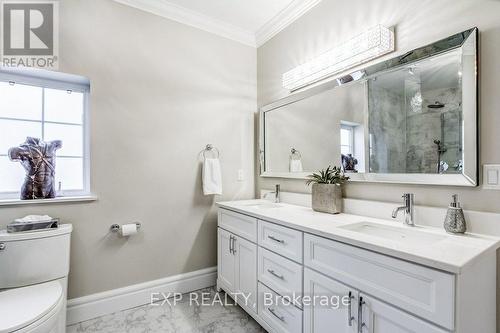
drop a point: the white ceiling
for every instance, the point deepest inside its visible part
(251, 22)
(248, 15)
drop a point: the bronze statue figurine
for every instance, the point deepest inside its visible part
(39, 160)
(349, 163)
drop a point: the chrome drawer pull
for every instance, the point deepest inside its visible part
(231, 244)
(276, 315)
(276, 239)
(275, 274)
(350, 317)
(361, 323)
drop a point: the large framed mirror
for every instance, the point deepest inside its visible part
(411, 119)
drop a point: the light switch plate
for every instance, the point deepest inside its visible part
(491, 176)
(241, 175)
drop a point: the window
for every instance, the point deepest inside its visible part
(346, 139)
(49, 109)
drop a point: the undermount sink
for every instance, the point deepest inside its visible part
(265, 205)
(408, 235)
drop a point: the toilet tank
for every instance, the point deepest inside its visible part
(34, 257)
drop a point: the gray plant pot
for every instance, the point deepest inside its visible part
(327, 198)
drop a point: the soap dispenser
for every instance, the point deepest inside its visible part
(455, 221)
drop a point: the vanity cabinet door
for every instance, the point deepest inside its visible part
(426, 292)
(226, 260)
(320, 317)
(379, 317)
(246, 272)
(237, 268)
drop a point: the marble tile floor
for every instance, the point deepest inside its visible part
(184, 317)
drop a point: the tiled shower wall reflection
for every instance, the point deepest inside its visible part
(403, 130)
(387, 124)
(423, 127)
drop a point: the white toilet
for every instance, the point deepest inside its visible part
(34, 269)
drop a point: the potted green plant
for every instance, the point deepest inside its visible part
(327, 189)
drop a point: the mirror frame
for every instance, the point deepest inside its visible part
(470, 173)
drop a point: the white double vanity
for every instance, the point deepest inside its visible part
(396, 121)
(389, 278)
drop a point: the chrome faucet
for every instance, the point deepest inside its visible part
(277, 193)
(408, 209)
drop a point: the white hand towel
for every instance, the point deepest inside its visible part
(296, 165)
(211, 176)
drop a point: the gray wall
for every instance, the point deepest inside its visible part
(160, 92)
(417, 23)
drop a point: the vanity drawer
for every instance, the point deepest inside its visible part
(239, 224)
(280, 274)
(423, 291)
(282, 240)
(281, 316)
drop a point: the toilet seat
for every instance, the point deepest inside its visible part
(26, 308)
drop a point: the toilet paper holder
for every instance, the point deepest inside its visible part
(116, 227)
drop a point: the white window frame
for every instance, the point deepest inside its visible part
(60, 81)
(351, 137)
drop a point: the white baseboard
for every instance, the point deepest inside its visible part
(96, 305)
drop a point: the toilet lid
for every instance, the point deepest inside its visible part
(20, 307)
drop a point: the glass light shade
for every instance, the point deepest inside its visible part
(367, 46)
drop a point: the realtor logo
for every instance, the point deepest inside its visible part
(29, 33)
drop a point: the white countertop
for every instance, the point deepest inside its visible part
(453, 253)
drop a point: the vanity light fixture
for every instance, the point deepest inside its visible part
(367, 46)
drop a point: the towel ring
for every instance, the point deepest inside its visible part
(210, 148)
(295, 152)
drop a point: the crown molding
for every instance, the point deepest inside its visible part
(164, 8)
(189, 17)
(292, 12)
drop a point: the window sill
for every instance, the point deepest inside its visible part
(18, 202)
